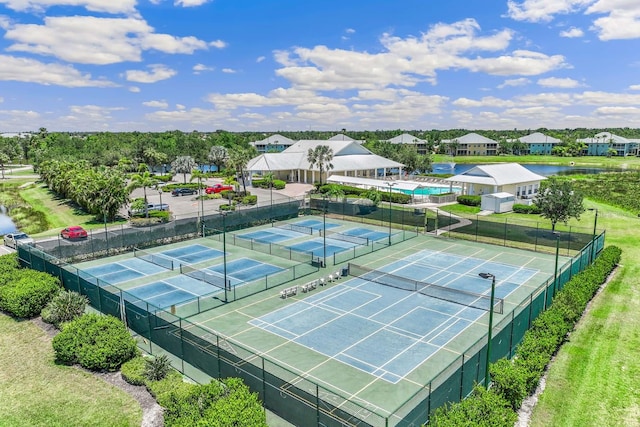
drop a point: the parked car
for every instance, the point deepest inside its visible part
(73, 232)
(184, 191)
(150, 207)
(217, 188)
(12, 240)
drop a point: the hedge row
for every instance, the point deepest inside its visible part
(515, 379)
(468, 200)
(263, 183)
(399, 198)
(228, 402)
(526, 209)
(24, 292)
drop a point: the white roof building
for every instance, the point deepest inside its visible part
(349, 159)
(510, 178)
(273, 143)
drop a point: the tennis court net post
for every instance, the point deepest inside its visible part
(203, 276)
(465, 298)
(153, 258)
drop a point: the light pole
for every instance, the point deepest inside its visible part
(493, 292)
(555, 270)
(160, 194)
(224, 252)
(390, 184)
(593, 240)
(324, 229)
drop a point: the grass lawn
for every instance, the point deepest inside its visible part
(594, 379)
(34, 391)
(592, 161)
(58, 211)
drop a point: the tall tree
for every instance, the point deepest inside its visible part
(238, 159)
(4, 159)
(321, 156)
(199, 175)
(142, 180)
(218, 156)
(183, 165)
(558, 201)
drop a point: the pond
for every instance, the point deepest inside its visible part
(6, 224)
(544, 170)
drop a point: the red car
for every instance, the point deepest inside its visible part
(217, 188)
(73, 232)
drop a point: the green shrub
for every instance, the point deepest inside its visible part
(9, 267)
(63, 307)
(132, 371)
(163, 178)
(27, 293)
(95, 342)
(157, 368)
(170, 387)
(227, 207)
(209, 404)
(509, 382)
(481, 408)
(169, 187)
(526, 209)
(468, 200)
(278, 184)
(249, 200)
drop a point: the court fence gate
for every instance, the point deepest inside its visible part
(285, 391)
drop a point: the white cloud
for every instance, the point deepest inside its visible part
(200, 68)
(156, 104)
(514, 82)
(31, 71)
(229, 70)
(134, 89)
(88, 117)
(91, 40)
(259, 59)
(618, 111)
(634, 87)
(157, 73)
(190, 3)
(565, 83)
(572, 32)
(218, 44)
(543, 10)
(349, 31)
(409, 61)
(111, 6)
(180, 107)
(487, 101)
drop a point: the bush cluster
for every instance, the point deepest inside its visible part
(526, 209)
(514, 379)
(348, 190)
(64, 307)
(262, 183)
(249, 200)
(170, 187)
(24, 292)
(95, 342)
(468, 200)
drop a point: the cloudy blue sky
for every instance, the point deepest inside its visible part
(268, 65)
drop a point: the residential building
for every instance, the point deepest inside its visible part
(471, 144)
(539, 143)
(510, 178)
(273, 144)
(408, 139)
(601, 143)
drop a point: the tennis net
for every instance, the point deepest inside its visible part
(153, 258)
(294, 227)
(203, 276)
(469, 299)
(363, 241)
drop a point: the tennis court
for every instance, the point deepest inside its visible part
(170, 292)
(378, 344)
(123, 271)
(374, 324)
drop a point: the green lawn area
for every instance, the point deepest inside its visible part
(592, 161)
(34, 391)
(594, 379)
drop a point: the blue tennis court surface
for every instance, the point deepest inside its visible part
(316, 246)
(273, 235)
(389, 332)
(316, 224)
(122, 271)
(245, 270)
(372, 235)
(172, 291)
(192, 254)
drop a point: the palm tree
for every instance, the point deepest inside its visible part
(321, 156)
(183, 165)
(238, 159)
(142, 180)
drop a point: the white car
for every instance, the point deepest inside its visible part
(13, 239)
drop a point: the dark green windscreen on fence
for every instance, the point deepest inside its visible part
(298, 399)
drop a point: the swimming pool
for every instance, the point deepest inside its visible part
(427, 191)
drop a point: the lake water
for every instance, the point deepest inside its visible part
(6, 225)
(544, 170)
